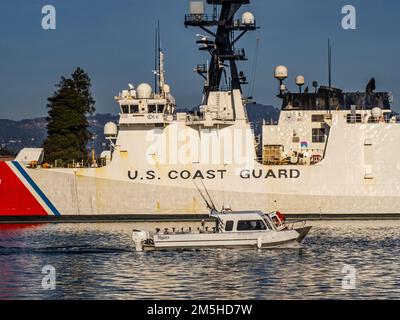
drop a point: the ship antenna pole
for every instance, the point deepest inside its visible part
(156, 58)
(159, 57)
(330, 63)
(329, 73)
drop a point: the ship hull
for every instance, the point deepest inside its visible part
(67, 195)
(354, 180)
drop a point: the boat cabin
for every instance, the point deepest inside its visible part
(245, 221)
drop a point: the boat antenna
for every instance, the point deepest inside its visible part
(214, 211)
(202, 196)
(210, 204)
(209, 197)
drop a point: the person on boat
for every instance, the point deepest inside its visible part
(281, 216)
(276, 221)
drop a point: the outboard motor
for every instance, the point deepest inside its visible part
(139, 237)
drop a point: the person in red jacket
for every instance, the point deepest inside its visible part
(281, 216)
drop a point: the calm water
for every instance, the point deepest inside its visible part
(96, 261)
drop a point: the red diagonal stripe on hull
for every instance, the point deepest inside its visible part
(15, 198)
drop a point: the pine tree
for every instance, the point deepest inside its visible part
(67, 125)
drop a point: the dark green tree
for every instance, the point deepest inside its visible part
(67, 125)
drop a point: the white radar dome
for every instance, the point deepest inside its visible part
(281, 72)
(110, 129)
(300, 80)
(167, 88)
(248, 18)
(376, 112)
(144, 91)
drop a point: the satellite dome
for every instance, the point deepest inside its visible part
(248, 18)
(376, 112)
(281, 72)
(144, 91)
(110, 129)
(300, 80)
(167, 88)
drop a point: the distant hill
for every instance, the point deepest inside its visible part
(31, 133)
(258, 112)
(15, 135)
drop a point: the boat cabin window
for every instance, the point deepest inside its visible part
(250, 225)
(318, 135)
(229, 225)
(267, 222)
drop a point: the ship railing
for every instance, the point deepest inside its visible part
(198, 118)
(357, 118)
(385, 119)
(239, 25)
(270, 123)
(296, 224)
(200, 19)
(238, 54)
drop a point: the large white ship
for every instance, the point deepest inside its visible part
(332, 153)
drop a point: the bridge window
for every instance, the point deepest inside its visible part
(125, 108)
(318, 135)
(251, 225)
(152, 108)
(160, 108)
(229, 225)
(317, 118)
(354, 118)
(134, 109)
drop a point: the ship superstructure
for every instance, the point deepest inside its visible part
(331, 152)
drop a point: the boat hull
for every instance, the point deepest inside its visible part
(260, 240)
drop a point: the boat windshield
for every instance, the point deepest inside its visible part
(267, 222)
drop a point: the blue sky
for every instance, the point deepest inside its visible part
(113, 40)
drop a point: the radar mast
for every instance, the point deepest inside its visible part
(221, 28)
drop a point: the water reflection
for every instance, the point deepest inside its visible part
(96, 261)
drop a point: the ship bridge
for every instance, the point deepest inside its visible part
(142, 106)
(334, 99)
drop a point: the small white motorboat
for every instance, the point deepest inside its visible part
(233, 229)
